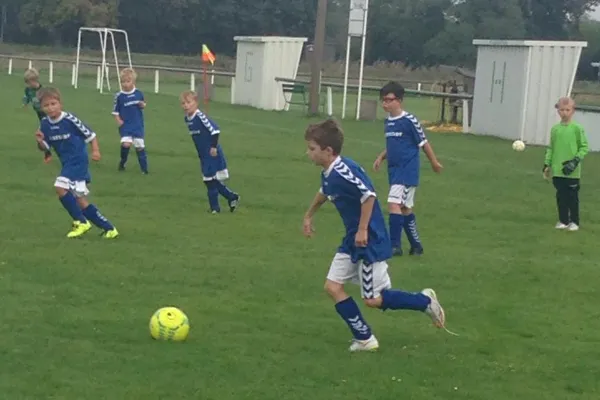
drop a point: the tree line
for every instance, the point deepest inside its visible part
(416, 32)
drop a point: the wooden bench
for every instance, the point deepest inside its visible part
(299, 89)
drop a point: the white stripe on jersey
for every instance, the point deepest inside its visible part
(344, 171)
(88, 134)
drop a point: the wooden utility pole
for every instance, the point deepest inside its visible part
(317, 57)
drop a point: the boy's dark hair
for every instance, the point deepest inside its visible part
(50, 92)
(327, 133)
(394, 88)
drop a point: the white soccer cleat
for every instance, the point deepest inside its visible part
(573, 227)
(561, 226)
(434, 309)
(371, 344)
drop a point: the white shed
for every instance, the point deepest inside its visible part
(517, 83)
(261, 59)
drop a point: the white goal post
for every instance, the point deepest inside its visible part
(104, 34)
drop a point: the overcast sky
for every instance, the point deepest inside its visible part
(596, 14)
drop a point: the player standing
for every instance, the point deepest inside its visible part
(205, 135)
(32, 86)
(128, 106)
(364, 251)
(568, 146)
(68, 136)
(404, 140)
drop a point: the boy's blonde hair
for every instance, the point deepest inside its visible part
(129, 72)
(31, 74)
(565, 101)
(48, 93)
(188, 94)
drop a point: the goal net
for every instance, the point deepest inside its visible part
(105, 35)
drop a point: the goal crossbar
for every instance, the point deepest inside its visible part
(104, 35)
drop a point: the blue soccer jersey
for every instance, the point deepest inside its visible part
(127, 107)
(347, 186)
(204, 132)
(404, 139)
(68, 136)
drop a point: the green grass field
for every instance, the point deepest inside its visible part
(75, 322)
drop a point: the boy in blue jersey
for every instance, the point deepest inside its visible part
(205, 135)
(128, 106)
(404, 140)
(68, 136)
(362, 256)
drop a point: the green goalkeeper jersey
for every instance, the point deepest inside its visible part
(567, 141)
(30, 97)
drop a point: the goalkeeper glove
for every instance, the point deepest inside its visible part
(570, 166)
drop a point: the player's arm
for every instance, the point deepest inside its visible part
(116, 112)
(380, 158)
(366, 210)
(548, 156)
(582, 145)
(317, 202)
(422, 142)
(41, 141)
(435, 164)
(214, 131)
(142, 103)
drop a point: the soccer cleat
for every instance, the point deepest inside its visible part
(397, 252)
(371, 344)
(417, 251)
(121, 167)
(112, 234)
(434, 309)
(233, 204)
(560, 225)
(573, 227)
(214, 212)
(79, 228)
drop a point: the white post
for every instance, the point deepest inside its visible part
(212, 77)
(112, 37)
(419, 86)
(156, 81)
(107, 80)
(329, 101)
(30, 64)
(192, 82)
(10, 61)
(76, 65)
(103, 65)
(98, 77)
(233, 90)
(51, 72)
(344, 96)
(465, 116)
(362, 60)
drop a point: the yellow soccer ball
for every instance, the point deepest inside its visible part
(169, 324)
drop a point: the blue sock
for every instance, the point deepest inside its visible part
(92, 213)
(410, 226)
(396, 225)
(143, 160)
(399, 300)
(350, 313)
(69, 202)
(124, 155)
(213, 194)
(226, 192)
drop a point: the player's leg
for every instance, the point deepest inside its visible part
(212, 190)
(47, 153)
(92, 213)
(341, 271)
(377, 292)
(574, 186)
(126, 142)
(410, 220)
(63, 188)
(232, 198)
(396, 219)
(140, 150)
(562, 202)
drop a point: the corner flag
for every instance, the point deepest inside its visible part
(207, 55)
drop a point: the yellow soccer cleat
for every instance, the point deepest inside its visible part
(79, 228)
(112, 234)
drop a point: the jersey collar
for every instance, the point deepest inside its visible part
(132, 91)
(332, 165)
(57, 120)
(402, 115)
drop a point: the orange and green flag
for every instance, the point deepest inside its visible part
(207, 55)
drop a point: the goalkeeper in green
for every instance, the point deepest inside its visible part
(568, 146)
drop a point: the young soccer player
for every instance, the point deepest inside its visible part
(32, 86)
(205, 135)
(68, 136)
(404, 140)
(362, 256)
(568, 146)
(128, 106)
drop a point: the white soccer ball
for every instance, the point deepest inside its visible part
(518, 145)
